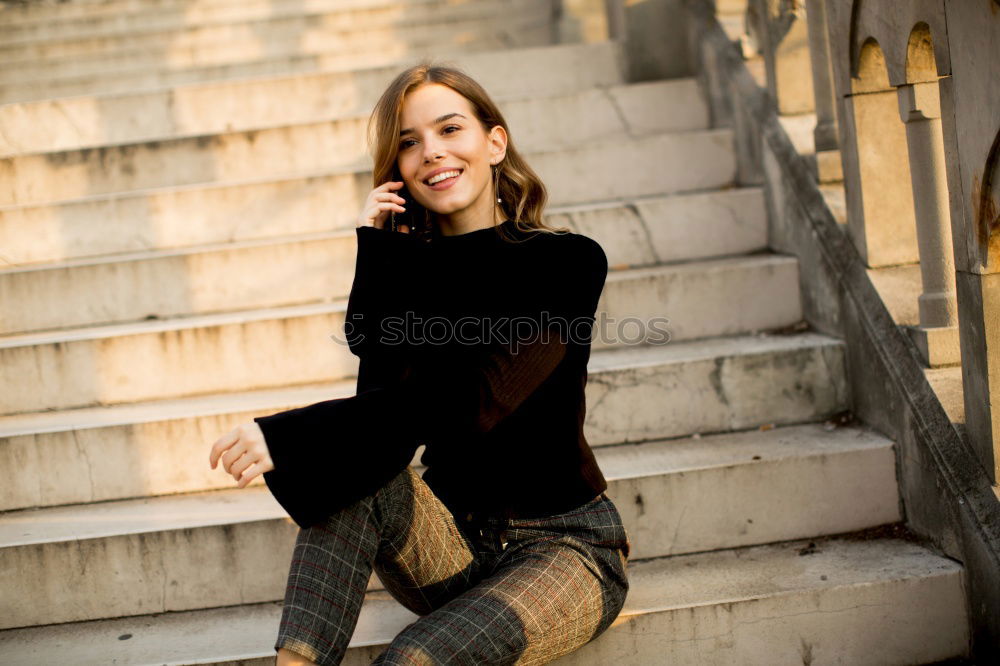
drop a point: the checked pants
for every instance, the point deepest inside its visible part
(499, 591)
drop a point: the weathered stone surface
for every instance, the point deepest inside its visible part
(159, 447)
(234, 351)
(763, 604)
(94, 119)
(179, 552)
(944, 489)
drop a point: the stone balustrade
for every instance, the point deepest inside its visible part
(912, 108)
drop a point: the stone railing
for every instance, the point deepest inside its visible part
(914, 110)
(916, 125)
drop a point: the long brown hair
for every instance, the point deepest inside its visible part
(521, 191)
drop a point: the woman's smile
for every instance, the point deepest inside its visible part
(443, 180)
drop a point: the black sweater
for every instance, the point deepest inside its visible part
(489, 375)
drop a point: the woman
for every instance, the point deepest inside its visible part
(472, 321)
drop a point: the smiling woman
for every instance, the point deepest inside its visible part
(457, 188)
(507, 546)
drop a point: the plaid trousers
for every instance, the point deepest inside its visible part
(493, 591)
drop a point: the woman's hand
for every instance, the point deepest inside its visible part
(244, 453)
(380, 204)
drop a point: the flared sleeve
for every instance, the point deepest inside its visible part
(333, 453)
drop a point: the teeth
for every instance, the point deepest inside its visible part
(441, 176)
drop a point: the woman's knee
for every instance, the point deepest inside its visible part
(288, 658)
(446, 641)
(406, 654)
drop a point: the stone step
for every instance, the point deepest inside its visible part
(633, 395)
(877, 601)
(168, 32)
(235, 351)
(294, 35)
(56, 18)
(319, 267)
(110, 224)
(132, 116)
(674, 496)
(538, 122)
(539, 125)
(519, 33)
(608, 169)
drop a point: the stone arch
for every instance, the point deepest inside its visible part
(877, 172)
(987, 205)
(853, 53)
(921, 63)
(871, 73)
(893, 24)
(868, 26)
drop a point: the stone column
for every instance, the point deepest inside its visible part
(828, 166)
(970, 101)
(616, 19)
(822, 74)
(937, 335)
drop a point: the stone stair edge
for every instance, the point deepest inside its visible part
(187, 250)
(124, 51)
(102, 66)
(342, 230)
(357, 169)
(233, 70)
(601, 360)
(598, 46)
(648, 578)
(136, 90)
(344, 170)
(8, 11)
(501, 100)
(307, 14)
(256, 504)
(339, 304)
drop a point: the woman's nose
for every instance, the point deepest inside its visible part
(431, 151)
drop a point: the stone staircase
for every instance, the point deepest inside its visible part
(178, 186)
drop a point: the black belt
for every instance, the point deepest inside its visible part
(480, 519)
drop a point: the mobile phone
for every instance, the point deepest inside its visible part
(414, 215)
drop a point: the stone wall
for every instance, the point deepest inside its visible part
(946, 493)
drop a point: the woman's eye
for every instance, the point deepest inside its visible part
(410, 142)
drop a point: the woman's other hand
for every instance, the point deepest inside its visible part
(380, 204)
(244, 453)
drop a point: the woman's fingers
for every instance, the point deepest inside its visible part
(394, 198)
(241, 464)
(249, 474)
(258, 461)
(382, 202)
(233, 454)
(243, 452)
(389, 196)
(221, 445)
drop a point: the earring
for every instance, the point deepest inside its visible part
(496, 182)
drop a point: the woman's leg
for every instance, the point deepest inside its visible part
(558, 584)
(404, 533)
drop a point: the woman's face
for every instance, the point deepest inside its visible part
(440, 134)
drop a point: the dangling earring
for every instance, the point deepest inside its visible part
(496, 182)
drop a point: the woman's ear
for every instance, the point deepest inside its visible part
(498, 143)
